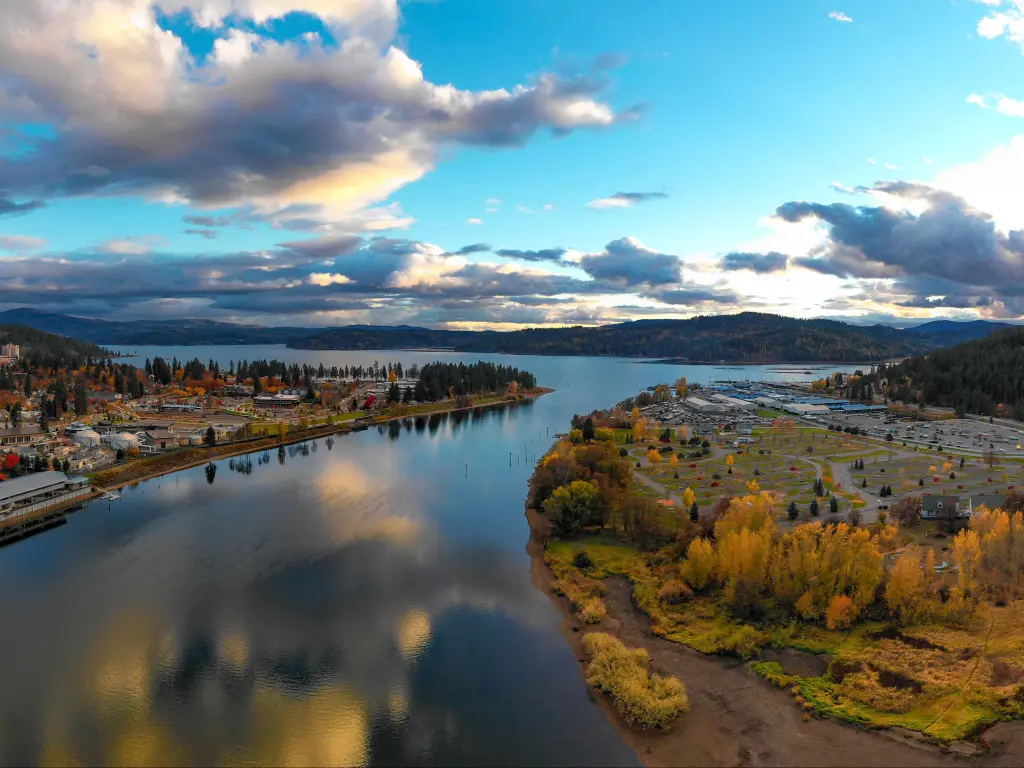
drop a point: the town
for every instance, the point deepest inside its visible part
(67, 433)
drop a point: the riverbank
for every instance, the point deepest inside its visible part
(735, 717)
(123, 475)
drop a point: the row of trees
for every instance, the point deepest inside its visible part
(438, 381)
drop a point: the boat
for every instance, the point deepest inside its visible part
(110, 496)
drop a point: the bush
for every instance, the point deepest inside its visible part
(592, 611)
(643, 699)
(674, 592)
(582, 560)
(623, 453)
(745, 642)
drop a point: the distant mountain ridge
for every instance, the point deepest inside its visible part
(748, 337)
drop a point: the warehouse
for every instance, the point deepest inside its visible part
(41, 489)
(702, 406)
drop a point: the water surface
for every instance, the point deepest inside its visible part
(365, 604)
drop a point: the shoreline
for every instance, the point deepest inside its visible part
(735, 717)
(189, 458)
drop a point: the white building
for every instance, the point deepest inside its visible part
(87, 438)
(804, 409)
(39, 490)
(702, 406)
(122, 441)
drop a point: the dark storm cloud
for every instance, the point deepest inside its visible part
(627, 262)
(547, 254)
(761, 263)
(10, 208)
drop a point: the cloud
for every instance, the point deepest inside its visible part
(549, 254)
(927, 161)
(548, 207)
(891, 167)
(761, 263)
(951, 254)
(840, 16)
(628, 262)
(20, 243)
(838, 186)
(872, 161)
(11, 208)
(267, 123)
(131, 245)
(693, 296)
(977, 99)
(1007, 23)
(475, 222)
(209, 234)
(625, 200)
(525, 209)
(493, 201)
(466, 250)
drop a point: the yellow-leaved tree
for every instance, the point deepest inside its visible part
(689, 497)
(730, 460)
(654, 457)
(967, 556)
(698, 570)
(905, 591)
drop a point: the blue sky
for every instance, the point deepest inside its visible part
(324, 161)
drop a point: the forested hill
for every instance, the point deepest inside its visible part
(974, 377)
(49, 350)
(745, 338)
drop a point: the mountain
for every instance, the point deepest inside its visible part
(976, 376)
(48, 349)
(748, 337)
(946, 332)
(143, 332)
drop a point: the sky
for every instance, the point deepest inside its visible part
(512, 163)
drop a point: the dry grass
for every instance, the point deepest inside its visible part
(642, 698)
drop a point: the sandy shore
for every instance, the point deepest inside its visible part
(738, 719)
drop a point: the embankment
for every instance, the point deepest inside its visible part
(737, 719)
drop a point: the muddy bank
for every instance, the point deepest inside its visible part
(738, 719)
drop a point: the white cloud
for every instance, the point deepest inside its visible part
(927, 161)
(149, 119)
(605, 203)
(994, 184)
(891, 167)
(840, 16)
(524, 209)
(978, 99)
(490, 210)
(493, 201)
(1010, 107)
(549, 207)
(838, 186)
(132, 245)
(1007, 23)
(872, 161)
(475, 222)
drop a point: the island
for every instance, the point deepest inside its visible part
(766, 611)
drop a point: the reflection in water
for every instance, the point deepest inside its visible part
(365, 605)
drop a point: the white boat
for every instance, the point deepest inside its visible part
(110, 496)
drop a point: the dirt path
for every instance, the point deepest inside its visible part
(737, 719)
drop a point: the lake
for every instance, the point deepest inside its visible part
(368, 603)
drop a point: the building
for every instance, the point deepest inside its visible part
(804, 409)
(35, 492)
(940, 507)
(100, 396)
(9, 354)
(87, 438)
(992, 501)
(275, 402)
(235, 390)
(701, 405)
(122, 441)
(24, 435)
(158, 440)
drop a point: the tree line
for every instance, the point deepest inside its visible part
(437, 381)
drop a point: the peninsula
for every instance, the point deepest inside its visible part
(744, 560)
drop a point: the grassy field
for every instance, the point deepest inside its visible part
(905, 475)
(946, 683)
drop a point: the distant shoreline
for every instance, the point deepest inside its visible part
(189, 458)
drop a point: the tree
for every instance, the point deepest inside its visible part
(833, 506)
(15, 415)
(571, 506)
(967, 556)
(907, 511)
(792, 512)
(588, 430)
(211, 437)
(698, 569)
(729, 460)
(813, 509)
(841, 612)
(257, 385)
(888, 443)
(694, 513)
(864, 483)
(905, 591)
(689, 498)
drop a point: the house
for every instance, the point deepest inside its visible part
(99, 396)
(158, 440)
(23, 435)
(275, 402)
(940, 507)
(992, 501)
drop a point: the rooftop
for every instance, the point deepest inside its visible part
(35, 482)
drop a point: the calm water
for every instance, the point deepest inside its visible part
(367, 604)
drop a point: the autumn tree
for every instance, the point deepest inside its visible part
(571, 506)
(698, 569)
(967, 556)
(841, 613)
(905, 591)
(907, 511)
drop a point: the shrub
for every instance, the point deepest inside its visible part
(592, 611)
(643, 699)
(582, 560)
(745, 642)
(674, 592)
(623, 453)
